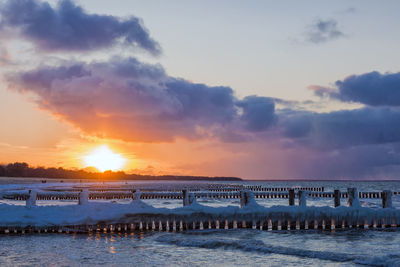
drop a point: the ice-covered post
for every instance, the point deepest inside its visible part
(192, 198)
(386, 199)
(352, 200)
(185, 194)
(245, 197)
(137, 194)
(31, 201)
(302, 198)
(291, 197)
(83, 197)
(337, 197)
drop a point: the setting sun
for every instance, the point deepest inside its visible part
(104, 159)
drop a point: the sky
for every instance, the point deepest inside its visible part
(255, 89)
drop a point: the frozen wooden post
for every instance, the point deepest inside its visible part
(245, 197)
(137, 194)
(302, 198)
(83, 197)
(337, 197)
(386, 199)
(352, 200)
(31, 201)
(185, 194)
(291, 197)
(192, 198)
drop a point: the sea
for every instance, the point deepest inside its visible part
(233, 247)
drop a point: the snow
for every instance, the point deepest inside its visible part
(83, 197)
(137, 194)
(303, 198)
(91, 213)
(31, 201)
(94, 212)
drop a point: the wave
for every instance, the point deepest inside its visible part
(258, 246)
(387, 260)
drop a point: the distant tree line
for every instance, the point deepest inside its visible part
(22, 169)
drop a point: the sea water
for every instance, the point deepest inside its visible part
(233, 247)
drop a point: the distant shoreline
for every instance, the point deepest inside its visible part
(144, 178)
(7, 179)
(23, 170)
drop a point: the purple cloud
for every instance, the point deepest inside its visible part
(258, 112)
(340, 129)
(133, 101)
(127, 99)
(68, 27)
(373, 89)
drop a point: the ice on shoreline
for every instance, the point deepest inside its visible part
(92, 213)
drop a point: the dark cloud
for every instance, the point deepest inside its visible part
(374, 89)
(257, 112)
(322, 31)
(345, 128)
(347, 144)
(201, 102)
(296, 124)
(67, 27)
(359, 162)
(130, 100)
(127, 99)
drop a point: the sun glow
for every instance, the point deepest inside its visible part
(104, 159)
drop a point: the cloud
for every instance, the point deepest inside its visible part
(341, 129)
(373, 89)
(258, 112)
(322, 31)
(359, 162)
(127, 99)
(68, 27)
(124, 98)
(5, 57)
